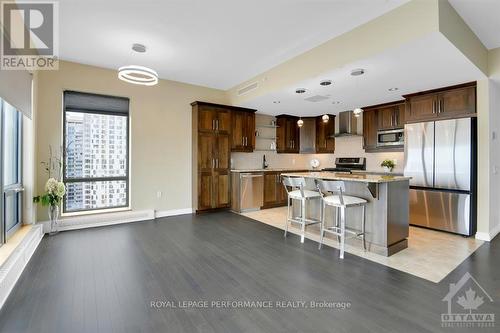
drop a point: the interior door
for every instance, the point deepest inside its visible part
(12, 187)
(419, 154)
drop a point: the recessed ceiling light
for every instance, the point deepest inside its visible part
(276, 102)
(357, 72)
(325, 82)
(300, 90)
(139, 48)
(393, 89)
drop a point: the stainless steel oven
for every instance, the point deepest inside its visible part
(391, 138)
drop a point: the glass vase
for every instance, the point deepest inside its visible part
(54, 219)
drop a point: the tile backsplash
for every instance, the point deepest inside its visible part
(344, 147)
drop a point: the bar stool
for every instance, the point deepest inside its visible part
(340, 202)
(295, 191)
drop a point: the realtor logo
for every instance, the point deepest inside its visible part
(464, 300)
(30, 35)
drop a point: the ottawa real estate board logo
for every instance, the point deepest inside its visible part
(30, 35)
(464, 300)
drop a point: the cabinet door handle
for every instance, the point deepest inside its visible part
(441, 106)
(433, 106)
(213, 163)
(246, 141)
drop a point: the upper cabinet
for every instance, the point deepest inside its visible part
(243, 131)
(452, 102)
(391, 117)
(325, 135)
(287, 134)
(214, 119)
(382, 117)
(370, 124)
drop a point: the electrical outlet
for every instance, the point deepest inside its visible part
(159, 194)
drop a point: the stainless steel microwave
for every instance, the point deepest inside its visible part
(393, 137)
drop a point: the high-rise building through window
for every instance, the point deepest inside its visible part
(96, 152)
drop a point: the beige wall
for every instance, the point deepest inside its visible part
(160, 130)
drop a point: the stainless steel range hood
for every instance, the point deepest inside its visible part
(348, 124)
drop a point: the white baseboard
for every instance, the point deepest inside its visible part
(173, 212)
(13, 267)
(488, 236)
(100, 220)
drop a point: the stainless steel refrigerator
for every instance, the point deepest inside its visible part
(440, 156)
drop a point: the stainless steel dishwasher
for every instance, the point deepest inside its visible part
(251, 191)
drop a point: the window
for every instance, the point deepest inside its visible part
(92, 170)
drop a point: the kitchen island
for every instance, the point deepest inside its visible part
(387, 211)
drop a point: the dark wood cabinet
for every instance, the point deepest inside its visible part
(325, 135)
(391, 117)
(216, 131)
(446, 103)
(214, 119)
(287, 134)
(380, 117)
(457, 102)
(370, 127)
(243, 131)
(274, 191)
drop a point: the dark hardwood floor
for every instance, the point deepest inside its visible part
(104, 279)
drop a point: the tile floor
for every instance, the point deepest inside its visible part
(430, 255)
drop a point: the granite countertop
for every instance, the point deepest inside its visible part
(360, 177)
(270, 170)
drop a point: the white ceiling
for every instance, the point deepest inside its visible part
(411, 68)
(483, 17)
(216, 43)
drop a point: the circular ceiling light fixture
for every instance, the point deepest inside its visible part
(393, 89)
(325, 83)
(138, 75)
(300, 122)
(300, 90)
(357, 72)
(357, 112)
(325, 118)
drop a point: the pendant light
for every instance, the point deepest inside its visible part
(325, 118)
(300, 122)
(138, 74)
(357, 72)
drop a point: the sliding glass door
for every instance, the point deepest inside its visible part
(11, 143)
